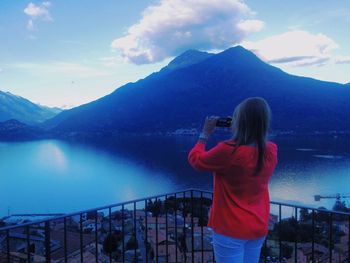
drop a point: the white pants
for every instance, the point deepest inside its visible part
(233, 250)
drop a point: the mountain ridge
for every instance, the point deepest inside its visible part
(182, 97)
(187, 58)
(23, 110)
(14, 130)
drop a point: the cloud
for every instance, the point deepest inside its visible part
(111, 61)
(30, 25)
(37, 12)
(1, 70)
(297, 47)
(173, 26)
(342, 60)
(250, 25)
(62, 68)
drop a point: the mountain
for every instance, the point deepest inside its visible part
(15, 130)
(181, 98)
(187, 58)
(23, 110)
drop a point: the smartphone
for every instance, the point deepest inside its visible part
(224, 122)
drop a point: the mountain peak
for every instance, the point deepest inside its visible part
(213, 84)
(187, 58)
(239, 52)
(238, 57)
(238, 48)
(7, 93)
(23, 110)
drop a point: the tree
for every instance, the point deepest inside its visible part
(340, 206)
(132, 243)
(304, 214)
(287, 250)
(110, 244)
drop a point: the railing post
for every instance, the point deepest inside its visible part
(313, 236)
(192, 227)
(135, 234)
(330, 237)
(156, 202)
(81, 239)
(265, 250)
(65, 240)
(146, 230)
(166, 228)
(96, 237)
(279, 231)
(47, 242)
(348, 238)
(28, 244)
(110, 230)
(123, 234)
(176, 239)
(184, 243)
(296, 236)
(202, 220)
(8, 245)
(212, 198)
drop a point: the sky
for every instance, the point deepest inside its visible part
(63, 53)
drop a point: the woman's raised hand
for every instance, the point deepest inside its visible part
(209, 125)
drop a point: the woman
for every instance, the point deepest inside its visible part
(242, 168)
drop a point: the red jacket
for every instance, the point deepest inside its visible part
(241, 203)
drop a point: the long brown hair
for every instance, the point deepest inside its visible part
(251, 120)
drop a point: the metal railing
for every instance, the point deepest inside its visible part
(171, 228)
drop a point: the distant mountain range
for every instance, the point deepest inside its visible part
(186, 59)
(178, 97)
(23, 110)
(13, 130)
(197, 84)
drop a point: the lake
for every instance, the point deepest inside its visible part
(52, 176)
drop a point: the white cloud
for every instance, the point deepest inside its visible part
(342, 60)
(62, 68)
(173, 26)
(46, 4)
(30, 25)
(298, 48)
(67, 106)
(111, 61)
(1, 70)
(37, 12)
(250, 25)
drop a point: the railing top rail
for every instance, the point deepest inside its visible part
(152, 197)
(310, 208)
(40, 221)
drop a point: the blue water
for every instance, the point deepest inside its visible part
(54, 176)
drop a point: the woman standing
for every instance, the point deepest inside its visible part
(242, 168)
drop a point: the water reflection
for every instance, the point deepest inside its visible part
(57, 176)
(50, 155)
(54, 176)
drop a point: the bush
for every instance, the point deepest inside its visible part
(132, 243)
(110, 244)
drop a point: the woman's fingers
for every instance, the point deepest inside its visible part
(210, 124)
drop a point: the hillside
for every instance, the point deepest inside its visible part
(13, 130)
(215, 84)
(23, 110)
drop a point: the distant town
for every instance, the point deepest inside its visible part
(169, 230)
